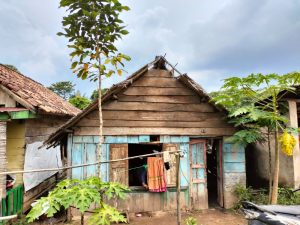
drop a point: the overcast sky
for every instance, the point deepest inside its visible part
(209, 39)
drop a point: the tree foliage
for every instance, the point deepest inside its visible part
(64, 89)
(80, 102)
(254, 103)
(81, 194)
(92, 27)
(95, 94)
(12, 67)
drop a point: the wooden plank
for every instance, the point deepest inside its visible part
(160, 107)
(91, 157)
(234, 157)
(157, 82)
(118, 171)
(213, 132)
(161, 116)
(171, 173)
(164, 99)
(158, 91)
(105, 167)
(157, 73)
(133, 139)
(144, 138)
(115, 139)
(77, 159)
(209, 123)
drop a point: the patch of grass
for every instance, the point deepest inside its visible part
(286, 196)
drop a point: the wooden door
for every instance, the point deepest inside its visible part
(198, 187)
(220, 174)
(171, 173)
(118, 171)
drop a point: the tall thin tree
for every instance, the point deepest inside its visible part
(92, 28)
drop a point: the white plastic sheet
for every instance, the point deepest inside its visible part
(40, 159)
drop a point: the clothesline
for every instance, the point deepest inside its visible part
(83, 165)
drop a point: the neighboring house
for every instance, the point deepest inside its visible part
(257, 155)
(155, 110)
(29, 113)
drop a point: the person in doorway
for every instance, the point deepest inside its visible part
(142, 175)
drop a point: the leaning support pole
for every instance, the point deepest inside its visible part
(178, 188)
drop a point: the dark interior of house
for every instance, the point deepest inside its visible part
(212, 148)
(135, 165)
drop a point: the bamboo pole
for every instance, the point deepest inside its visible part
(178, 188)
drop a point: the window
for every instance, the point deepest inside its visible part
(136, 165)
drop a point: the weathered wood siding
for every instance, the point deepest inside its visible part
(115, 147)
(6, 100)
(15, 147)
(157, 103)
(234, 171)
(40, 128)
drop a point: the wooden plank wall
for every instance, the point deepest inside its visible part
(40, 128)
(138, 201)
(234, 169)
(157, 103)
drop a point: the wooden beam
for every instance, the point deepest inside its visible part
(206, 132)
(26, 114)
(18, 99)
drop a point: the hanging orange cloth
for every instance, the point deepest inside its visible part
(156, 176)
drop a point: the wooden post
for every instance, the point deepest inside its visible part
(3, 162)
(178, 188)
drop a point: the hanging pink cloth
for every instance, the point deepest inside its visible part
(156, 176)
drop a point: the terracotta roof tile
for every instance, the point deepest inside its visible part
(35, 93)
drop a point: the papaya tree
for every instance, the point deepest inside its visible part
(92, 28)
(82, 194)
(253, 104)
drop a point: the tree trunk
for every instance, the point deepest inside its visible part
(276, 170)
(82, 219)
(270, 167)
(99, 148)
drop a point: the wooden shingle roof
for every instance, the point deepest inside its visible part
(33, 95)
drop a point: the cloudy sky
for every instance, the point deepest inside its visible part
(207, 39)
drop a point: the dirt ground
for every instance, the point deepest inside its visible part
(205, 217)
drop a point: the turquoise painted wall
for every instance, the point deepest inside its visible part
(84, 151)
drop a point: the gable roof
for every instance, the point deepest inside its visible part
(159, 62)
(33, 95)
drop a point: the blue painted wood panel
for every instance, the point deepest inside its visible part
(184, 165)
(77, 159)
(144, 138)
(233, 158)
(133, 139)
(91, 157)
(234, 167)
(104, 168)
(174, 139)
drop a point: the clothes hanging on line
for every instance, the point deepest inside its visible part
(156, 176)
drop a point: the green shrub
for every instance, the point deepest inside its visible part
(286, 196)
(191, 221)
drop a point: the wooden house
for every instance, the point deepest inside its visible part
(29, 113)
(156, 108)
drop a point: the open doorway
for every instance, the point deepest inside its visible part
(136, 165)
(214, 180)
